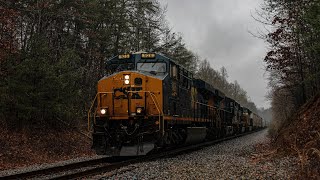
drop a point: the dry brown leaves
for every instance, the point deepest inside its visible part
(263, 152)
(302, 138)
(20, 149)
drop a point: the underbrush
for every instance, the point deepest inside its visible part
(37, 146)
(301, 138)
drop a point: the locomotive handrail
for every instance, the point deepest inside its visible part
(156, 104)
(90, 109)
(218, 109)
(92, 104)
(152, 95)
(197, 102)
(160, 124)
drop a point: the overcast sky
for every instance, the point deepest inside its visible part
(218, 30)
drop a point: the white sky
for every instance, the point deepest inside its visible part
(219, 31)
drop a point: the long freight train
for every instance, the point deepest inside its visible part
(148, 102)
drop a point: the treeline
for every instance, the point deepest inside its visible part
(52, 53)
(293, 59)
(219, 80)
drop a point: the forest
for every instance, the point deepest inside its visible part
(293, 59)
(53, 52)
(294, 67)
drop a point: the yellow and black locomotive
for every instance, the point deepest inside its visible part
(147, 101)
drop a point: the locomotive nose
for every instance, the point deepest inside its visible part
(129, 94)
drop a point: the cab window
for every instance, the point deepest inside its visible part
(174, 71)
(117, 67)
(152, 68)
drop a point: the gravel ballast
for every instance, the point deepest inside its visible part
(46, 165)
(228, 160)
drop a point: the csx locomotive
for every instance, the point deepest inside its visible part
(147, 102)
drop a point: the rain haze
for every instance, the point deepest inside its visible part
(219, 31)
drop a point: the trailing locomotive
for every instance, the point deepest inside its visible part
(148, 102)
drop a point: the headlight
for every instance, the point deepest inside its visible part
(126, 81)
(139, 110)
(127, 77)
(103, 111)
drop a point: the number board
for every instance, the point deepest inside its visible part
(148, 56)
(124, 56)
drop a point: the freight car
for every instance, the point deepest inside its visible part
(148, 101)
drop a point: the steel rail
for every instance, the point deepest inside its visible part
(103, 164)
(54, 169)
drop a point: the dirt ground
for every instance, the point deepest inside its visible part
(301, 137)
(25, 148)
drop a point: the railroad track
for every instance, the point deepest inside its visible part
(105, 164)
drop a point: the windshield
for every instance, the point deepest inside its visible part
(152, 67)
(113, 68)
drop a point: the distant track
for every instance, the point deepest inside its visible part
(105, 164)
